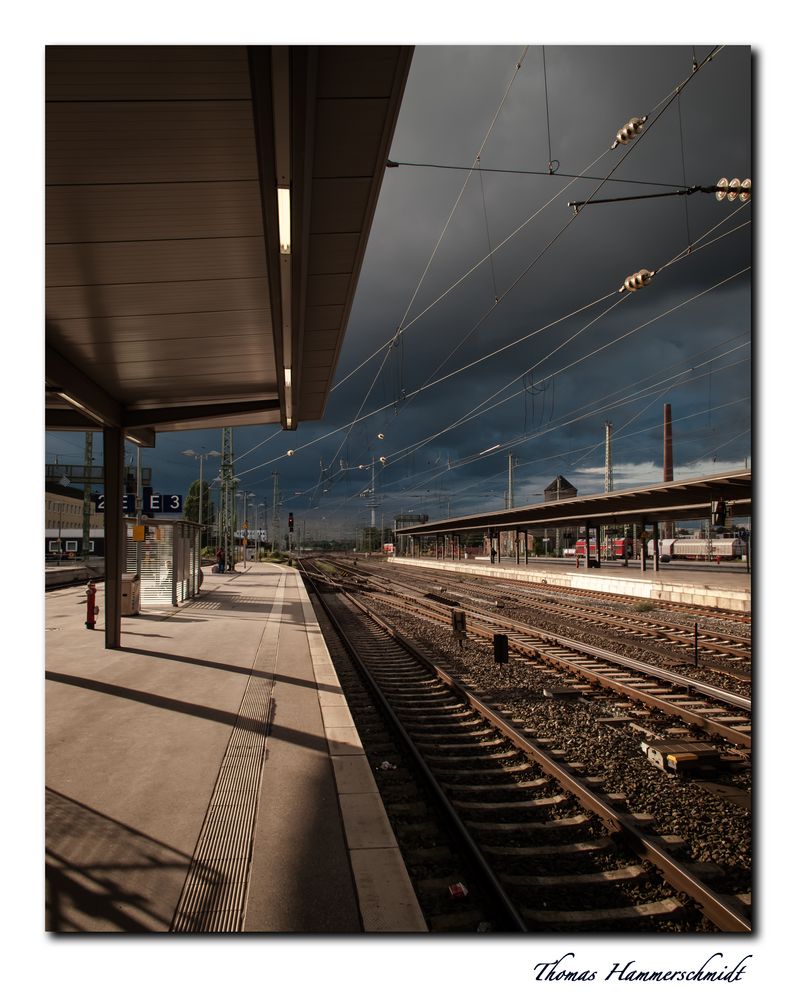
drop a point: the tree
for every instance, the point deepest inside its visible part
(192, 506)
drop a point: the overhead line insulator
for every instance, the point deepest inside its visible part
(629, 131)
(633, 282)
(742, 190)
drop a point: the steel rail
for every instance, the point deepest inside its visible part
(725, 916)
(511, 914)
(676, 680)
(628, 663)
(655, 628)
(595, 677)
(679, 680)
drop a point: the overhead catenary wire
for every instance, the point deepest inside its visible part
(403, 326)
(391, 344)
(459, 370)
(478, 412)
(547, 113)
(676, 259)
(713, 451)
(574, 420)
(682, 157)
(484, 141)
(664, 104)
(530, 173)
(607, 401)
(573, 451)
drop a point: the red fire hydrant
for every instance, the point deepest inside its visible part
(91, 604)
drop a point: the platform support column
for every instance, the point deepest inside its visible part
(526, 546)
(643, 552)
(499, 542)
(517, 546)
(656, 553)
(113, 461)
(588, 544)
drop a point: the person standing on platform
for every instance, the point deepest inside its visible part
(220, 559)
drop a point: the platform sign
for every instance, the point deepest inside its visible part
(153, 503)
(128, 502)
(161, 503)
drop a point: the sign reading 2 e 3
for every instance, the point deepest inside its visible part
(153, 503)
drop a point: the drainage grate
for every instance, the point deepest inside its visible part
(213, 898)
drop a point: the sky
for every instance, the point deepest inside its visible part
(462, 264)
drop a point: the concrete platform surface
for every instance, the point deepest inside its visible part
(711, 588)
(208, 775)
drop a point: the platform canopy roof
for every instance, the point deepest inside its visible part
(175, 297)
(681, 500)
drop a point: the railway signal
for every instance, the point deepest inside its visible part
(290, 522)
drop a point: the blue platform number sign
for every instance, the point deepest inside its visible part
(153, 503)
(128, 503)
(163, 503)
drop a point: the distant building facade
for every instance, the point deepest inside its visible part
(63, 508)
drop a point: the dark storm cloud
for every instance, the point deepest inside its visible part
(451, 97)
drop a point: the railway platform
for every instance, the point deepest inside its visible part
(207, 776)
(708, 588)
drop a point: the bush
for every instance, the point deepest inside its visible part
(643, 606)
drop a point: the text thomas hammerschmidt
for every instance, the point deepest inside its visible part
(711, 969)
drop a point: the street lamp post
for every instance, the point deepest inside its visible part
(201, 456)
(245, 514)
(264, 528)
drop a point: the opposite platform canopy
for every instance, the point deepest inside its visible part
(681, 500)
(171, 303)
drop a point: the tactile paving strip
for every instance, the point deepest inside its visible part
(213, 898)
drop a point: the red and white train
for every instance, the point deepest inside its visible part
(613, 549)
(699, 548)
(668, 548)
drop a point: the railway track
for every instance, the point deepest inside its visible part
(567, 594)
(732, 651)
(559, 853)
(729, 648)
(709, 708)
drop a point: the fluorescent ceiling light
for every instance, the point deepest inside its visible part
(81, 406)
(288, 378)
(283, 206)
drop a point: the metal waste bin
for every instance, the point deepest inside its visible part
(131, 594)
